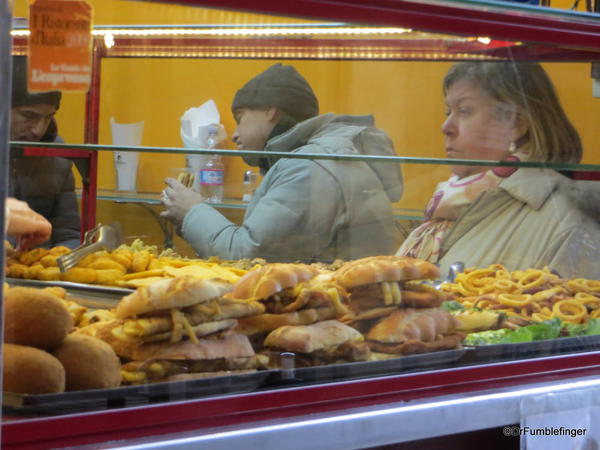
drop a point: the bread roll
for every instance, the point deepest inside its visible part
(34, 317)
(309, 338)
(377, 269)
(413, 324)
(268, 280)
(230, 346)
(28, 370)
(171, 293)
(268, 322)
(89, 363)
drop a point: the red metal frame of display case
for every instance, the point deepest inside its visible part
(160, 419)
(200, 414)
(441, 17)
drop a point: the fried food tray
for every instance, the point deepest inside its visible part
(535, 349)
(89, 295)
(128, 396)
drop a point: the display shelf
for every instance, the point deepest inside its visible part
(441, 402)
(562, 167)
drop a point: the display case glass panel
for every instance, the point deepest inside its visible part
(355, 156)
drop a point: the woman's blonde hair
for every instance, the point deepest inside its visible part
(551, 136)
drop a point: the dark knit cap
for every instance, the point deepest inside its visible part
(20, 95)
(280, 86)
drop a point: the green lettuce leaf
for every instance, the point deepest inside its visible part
(488, 337)
(452, 306)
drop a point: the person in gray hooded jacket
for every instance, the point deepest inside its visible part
(304, 209)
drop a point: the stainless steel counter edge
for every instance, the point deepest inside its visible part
(371, 426)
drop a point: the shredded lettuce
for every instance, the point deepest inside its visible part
(452, 306)
(593, 327)
(488, 337)
(549, 329)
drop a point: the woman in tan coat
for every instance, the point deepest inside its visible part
(518, 217)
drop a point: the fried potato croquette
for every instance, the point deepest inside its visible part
(141, 260)
(10, 261)
(16, 271)
(123, 257)
(88, 259)
(108, 276)
(32, 256)
(49, 261)
(49, 274)
(59, 250)
(105, 263)
(33, 272)
(80, 275)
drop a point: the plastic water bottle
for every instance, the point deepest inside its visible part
(249, 185)
(212, 173)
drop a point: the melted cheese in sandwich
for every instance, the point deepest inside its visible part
(327, 289)
(391, 293)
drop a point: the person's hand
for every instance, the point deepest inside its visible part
(29, 227)
(178, 200)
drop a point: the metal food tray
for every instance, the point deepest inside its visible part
(127, 396)
(92, 295)
(534, 349)
(363, 369)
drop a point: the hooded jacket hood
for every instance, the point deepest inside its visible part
(344, 135)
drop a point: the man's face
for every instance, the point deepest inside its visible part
(253, 127)
(29, 123)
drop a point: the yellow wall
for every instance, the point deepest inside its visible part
(404, 97)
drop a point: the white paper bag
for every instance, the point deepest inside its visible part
(195, 124)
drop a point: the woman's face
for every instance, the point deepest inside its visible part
(476, 127)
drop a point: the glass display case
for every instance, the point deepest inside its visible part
(381, 99)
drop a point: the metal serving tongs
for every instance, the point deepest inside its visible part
(454, 269)
(103, 237)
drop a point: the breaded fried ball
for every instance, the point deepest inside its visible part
(35, 318)
(28, 370)
(89, 363)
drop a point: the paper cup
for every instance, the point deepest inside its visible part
(126, 166)
(126, 163)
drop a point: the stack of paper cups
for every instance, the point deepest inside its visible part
(126, 163)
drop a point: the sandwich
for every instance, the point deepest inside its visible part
(410, 330)
(326, 342)
(178, 326)
(378, 285)
(172, 309)
(292, 294)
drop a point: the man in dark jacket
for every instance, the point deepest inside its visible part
(45, 183)
(304, 209)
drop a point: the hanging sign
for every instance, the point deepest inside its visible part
(60, 45)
